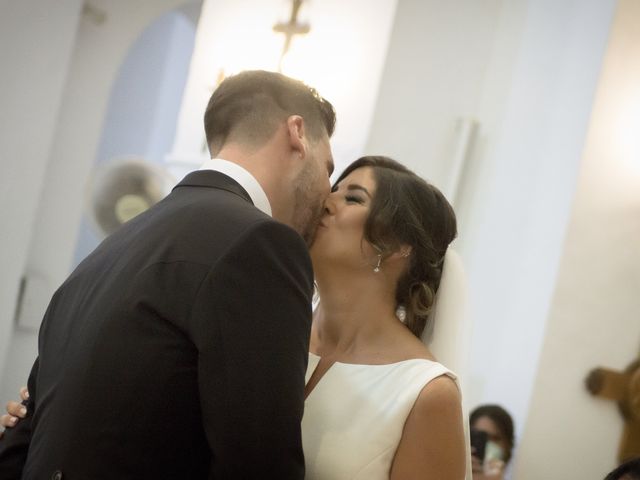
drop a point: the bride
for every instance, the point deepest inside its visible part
(378, 405)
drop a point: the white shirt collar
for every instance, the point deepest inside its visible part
(244, 178)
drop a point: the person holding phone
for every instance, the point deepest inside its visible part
(492, 440)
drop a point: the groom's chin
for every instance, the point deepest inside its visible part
(310, 229)
(310, 235)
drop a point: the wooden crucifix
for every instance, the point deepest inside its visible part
(290, 29)
(624, 388)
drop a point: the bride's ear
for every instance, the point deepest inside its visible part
(401, 253)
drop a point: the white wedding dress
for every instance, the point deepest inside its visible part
(354, 416)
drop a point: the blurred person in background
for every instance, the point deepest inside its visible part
(495, 427)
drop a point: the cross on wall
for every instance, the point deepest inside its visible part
(290, 29)
(623, 388)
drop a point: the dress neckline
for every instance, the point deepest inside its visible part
(376, 364)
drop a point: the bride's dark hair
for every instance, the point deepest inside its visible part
(406, 210)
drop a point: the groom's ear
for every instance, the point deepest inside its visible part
(297, 135)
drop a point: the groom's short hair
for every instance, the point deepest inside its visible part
(248, 108)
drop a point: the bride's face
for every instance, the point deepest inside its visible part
(339, 237)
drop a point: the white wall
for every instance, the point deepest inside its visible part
(593, 318)
(526, 71)
(36, 43)
(65, 160)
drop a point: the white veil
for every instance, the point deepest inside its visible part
(448, 332)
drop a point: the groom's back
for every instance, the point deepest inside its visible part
(117, 385)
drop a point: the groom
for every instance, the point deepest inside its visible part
(178, 348)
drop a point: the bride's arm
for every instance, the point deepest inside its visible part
(432, 443)
(15, 411)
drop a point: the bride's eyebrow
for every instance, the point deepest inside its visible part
(355, 186)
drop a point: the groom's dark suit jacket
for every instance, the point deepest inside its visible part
(176, 350)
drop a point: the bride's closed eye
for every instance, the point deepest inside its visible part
(354, 199)
(349, 195)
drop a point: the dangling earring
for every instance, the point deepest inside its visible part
(376, 269)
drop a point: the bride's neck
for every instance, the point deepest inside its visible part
(353, 312)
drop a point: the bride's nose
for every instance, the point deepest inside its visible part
(330, 205)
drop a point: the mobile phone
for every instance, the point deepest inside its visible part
(479, 440)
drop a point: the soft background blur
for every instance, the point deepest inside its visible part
(525, 112)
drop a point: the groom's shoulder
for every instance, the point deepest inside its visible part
(264, 234)
(265, 230)
(266, 250)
